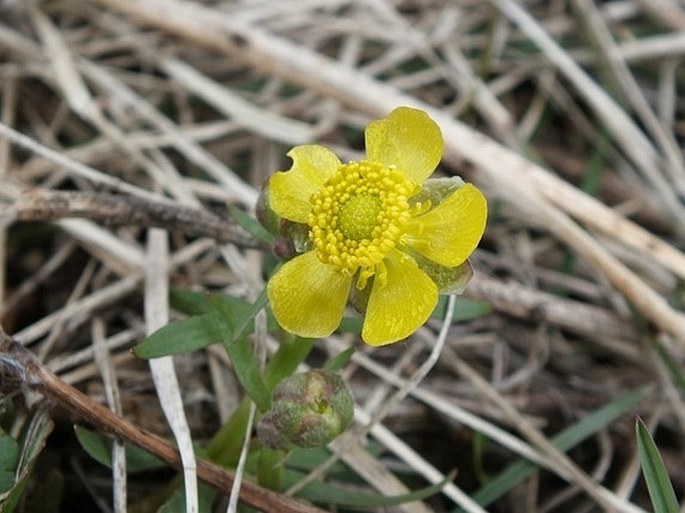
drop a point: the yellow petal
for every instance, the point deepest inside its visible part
(308, 297)
(397, 309)
(289, 191)
(408, 139)
(450, 232)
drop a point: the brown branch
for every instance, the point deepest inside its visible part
(18, 367)
(120, 210)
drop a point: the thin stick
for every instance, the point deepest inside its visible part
(118, 210)
(74, 167)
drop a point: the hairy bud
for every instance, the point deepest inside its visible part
(308, 410)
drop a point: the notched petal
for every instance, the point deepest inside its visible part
(290, 191)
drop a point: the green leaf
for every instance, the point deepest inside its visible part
(178, 337)
(99, 447)
(177, 501)
(189, 302)
(199, 331)
(95, 445)
(465, 309)
(327, 494)
(517, 472)
(246, 312)
(9, 453)
(340, 360)
(34, 435)
(269, 468)
(251, 225)
(239, 348)
(658, 483)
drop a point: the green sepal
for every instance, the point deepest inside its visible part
(435, 190)
(450, 280)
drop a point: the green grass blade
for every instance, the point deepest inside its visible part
(517, 472)
(336, 363)
(656, 477)
(327, 494)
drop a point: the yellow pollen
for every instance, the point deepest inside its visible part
(359, 215)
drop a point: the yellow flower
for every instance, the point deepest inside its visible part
(367, 228)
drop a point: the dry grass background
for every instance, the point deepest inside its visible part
(567, 114)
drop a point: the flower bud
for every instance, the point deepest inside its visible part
(264, 213)
(308, 410)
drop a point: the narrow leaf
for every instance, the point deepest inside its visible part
(251, 225)
(240, 350)
(177, 501)
(327, 494)
(178, 337)
(340, 360)
(188, 301)
(99, 447)
(9, 453)
(465, 309)
(246, 313)
(658, 483)
(32, 442)
(517, 472)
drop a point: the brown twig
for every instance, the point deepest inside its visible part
(120, 210)
(18, 367)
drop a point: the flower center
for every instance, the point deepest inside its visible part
(358, 216)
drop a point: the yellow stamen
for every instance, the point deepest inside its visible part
(359, 215)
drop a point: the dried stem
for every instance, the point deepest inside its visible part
(118, 210)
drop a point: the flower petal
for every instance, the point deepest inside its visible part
(406, 301)
(450, 232)
(308, 297)
(290, 190)
(408, 139)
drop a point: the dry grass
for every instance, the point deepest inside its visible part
(566, 113)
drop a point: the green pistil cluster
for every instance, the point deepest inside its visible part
(358, 216)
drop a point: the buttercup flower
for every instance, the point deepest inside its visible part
(375, 225)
